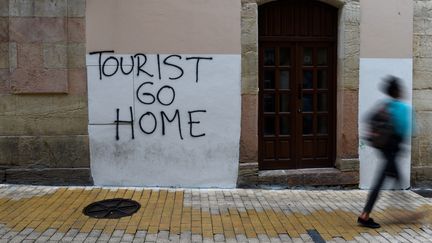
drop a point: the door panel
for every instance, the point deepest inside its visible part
(297, 99)
(297, 84)
(317, 113)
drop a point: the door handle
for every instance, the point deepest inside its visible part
(299, 110)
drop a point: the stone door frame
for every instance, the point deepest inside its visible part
(348, 56)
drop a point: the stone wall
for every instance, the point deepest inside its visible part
(249, 79)
(422, 94)
(348, 84)
(43, 97)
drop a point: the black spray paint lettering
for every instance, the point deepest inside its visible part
(165, 95)
(173, 65)
(145, 94)
(191, 122)
(116, 66)
(159, 96)
(141, 61)
(100, 60)
(121, 66)
(118, 121)
(164, 116)
(154, 122)
(138, 55)
(148, 123)
(197, 64)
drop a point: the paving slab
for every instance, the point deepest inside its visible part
(54, 214)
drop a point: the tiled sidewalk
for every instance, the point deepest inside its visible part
(52, 214)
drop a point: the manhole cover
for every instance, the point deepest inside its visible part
(112, 208)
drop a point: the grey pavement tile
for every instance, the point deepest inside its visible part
(49, 232)
(114, 240)
(306, 238)
(57, 236)
(128, 237)
(298, 240)
(67, 239)
(72, 233)
(231, 240)
(162, 241)
(275, 240)
(339, 240)
(26, 231)
(42, 239)
(9, 235)
(422, 239)
(163, 235)
(400, 238)
(388, 237)
(219, 238)
(140, 234)
(263, 238)
(196, 238)
(408, 237)
(241, 238)
(138, 240)
(3, 231)
(33, 235)
(174, 237)
(90, 239)
(104, 237)
(380, 238)
(285, 238)
(80, 237)
(95, 233)
(208, 240)
(151, 237)
(118, 233)
(410, 232)
(17, 239)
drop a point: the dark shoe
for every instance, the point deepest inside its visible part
(370, 223)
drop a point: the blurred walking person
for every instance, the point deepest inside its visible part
(389, 126)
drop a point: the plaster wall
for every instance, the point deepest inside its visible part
(163, 26)
(372, 70)
(392, 17)
(385, 49)
(174, 71)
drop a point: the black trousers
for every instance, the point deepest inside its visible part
(389, 169)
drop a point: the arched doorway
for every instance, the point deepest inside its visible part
(297, 83)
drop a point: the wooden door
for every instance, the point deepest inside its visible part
(297, 85)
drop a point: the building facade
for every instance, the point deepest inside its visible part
(215, 93)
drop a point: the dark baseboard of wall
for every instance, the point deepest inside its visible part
(47, 176)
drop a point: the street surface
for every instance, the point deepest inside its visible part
(53, 214)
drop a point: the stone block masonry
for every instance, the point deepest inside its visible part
(43, 94)
(422, 91)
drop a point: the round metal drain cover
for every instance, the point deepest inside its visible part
(112, 208)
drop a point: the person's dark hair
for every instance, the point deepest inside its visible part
(392, 86)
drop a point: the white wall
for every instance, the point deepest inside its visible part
(165, 160)
(372, 70)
